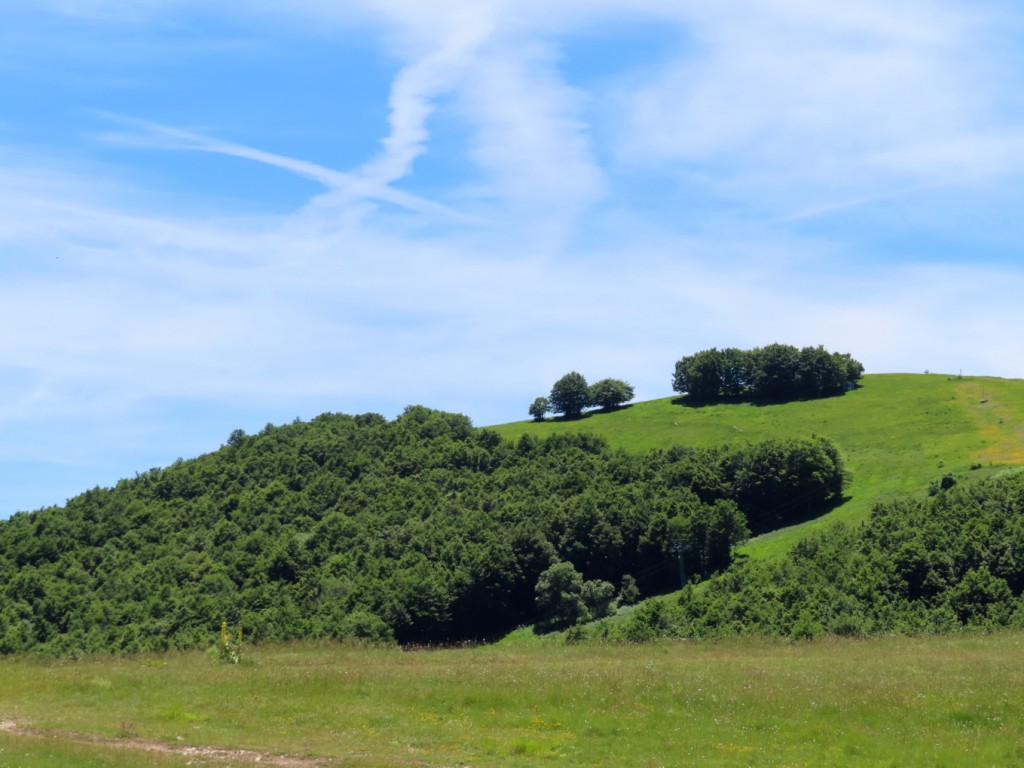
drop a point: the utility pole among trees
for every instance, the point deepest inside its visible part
(679, 548)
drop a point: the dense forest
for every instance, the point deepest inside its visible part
(774, 373)
(939, 564)
(422, 529)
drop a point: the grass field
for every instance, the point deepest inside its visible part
(935, 701)
(897, 433)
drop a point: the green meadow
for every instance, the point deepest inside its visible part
(930, 701)
(897, 433)
(537, 701)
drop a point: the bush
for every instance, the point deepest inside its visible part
(648, 622)
(806, 627)
(366, 627)
(560, 597)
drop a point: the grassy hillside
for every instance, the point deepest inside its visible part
(897, 433)
(887, 701)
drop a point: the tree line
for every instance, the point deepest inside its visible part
(950, 562)
(776, 373)
(422, 529)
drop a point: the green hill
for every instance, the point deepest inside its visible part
(421, 529)
(426, 530)
(898, 433)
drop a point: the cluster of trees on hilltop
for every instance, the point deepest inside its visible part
(420, 529)
(571, 394)
(774, 373)
(943, 564)
(777, 372)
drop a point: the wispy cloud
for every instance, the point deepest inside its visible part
(348, 187)
(789, 101)
(531, 139)
(448, 58)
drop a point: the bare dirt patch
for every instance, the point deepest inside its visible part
(194, 755)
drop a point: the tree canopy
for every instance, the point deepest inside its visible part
(610, 393)
(777, 372)
(942, 564)
(420, 529)
(540, 408)
(570, 395)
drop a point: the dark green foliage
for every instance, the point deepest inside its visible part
(649, 621)
(598, 596)
(610, 393)
(560, 597)
(711, 530)
(775, 373)
(950, 562)
(629, 593)
(701, 375)
(777, 483)
(736, 373)
(570, 395)
(539, 408)
(422, 529)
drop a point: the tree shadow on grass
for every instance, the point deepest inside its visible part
(688, 401)
(793, 513)
(588, 414)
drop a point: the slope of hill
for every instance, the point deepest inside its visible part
(897, 433)
(919, 565)
(421, 529)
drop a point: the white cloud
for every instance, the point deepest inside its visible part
(453, 37)
(531, 139)
(796, 103)
(346, 188)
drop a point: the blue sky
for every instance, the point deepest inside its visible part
(219, 215)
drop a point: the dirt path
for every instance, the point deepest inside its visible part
(192, 754)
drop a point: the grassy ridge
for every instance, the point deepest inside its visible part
(897, 433)
(895, 701)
